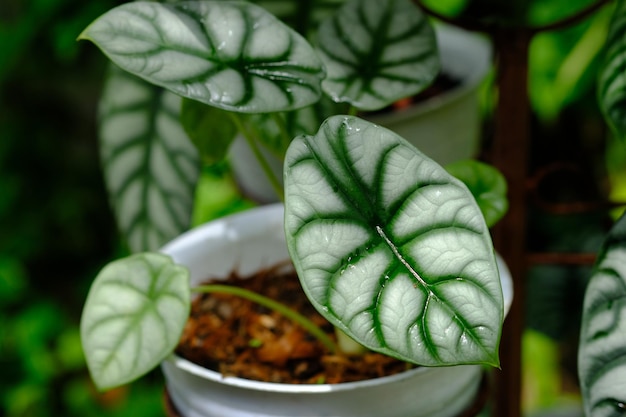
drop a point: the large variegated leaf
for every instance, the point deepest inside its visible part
(612, 82)
(390, 247)
(150, 165)
(602, 352)
(376, 52)
(134, 315)
(232, 55)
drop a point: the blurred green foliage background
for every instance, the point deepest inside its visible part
(56, 229)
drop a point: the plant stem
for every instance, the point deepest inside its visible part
(292, 315)
(348, 345)
(265, 166)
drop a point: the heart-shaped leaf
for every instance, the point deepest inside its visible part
(487, 185)
(390, 247)
(134, 315)
(150, 166)
(602, 352)
(612, 81)
(377, 52)
(232, 55)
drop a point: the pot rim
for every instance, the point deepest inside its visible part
(234, 381)
(215, 227)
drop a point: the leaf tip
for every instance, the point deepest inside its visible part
(83, 36)
(493, 361)
(102, 387)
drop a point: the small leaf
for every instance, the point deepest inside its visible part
(209, 128)
(602, 351)
(149, 164)
(232, 55)
(612, 80)
(486, 184)
(134, 315)
(391, 248)
(377, 52)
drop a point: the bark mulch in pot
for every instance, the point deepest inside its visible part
(237, 337)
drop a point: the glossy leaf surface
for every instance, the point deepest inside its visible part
(232, 55)
(150, 165)
(133, 317)
(390, 247)
(612, 81)
(487, 185)
(602, 352)
(376, 52)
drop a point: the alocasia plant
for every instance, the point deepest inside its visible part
(611, 84)
(602, 347)
(133, 317)
(150, 167)
(389, 246)
(602, 353)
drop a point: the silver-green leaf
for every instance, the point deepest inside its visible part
(232, 55)
(602, 350)
(134, 315)
(390, 247)
(377, 52)
(150, 165)
(612, 80)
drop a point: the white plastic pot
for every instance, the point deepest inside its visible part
(445, 127)
(254, 239)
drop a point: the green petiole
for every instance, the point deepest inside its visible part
(292, 315)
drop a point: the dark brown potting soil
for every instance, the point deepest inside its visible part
(237, 337)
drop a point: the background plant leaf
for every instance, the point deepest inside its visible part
(134, 315)
(276, 130)
(303, 16)
(487, 185)
(390, 247)
(612, 81)
(149, 164)
(377, 52)
(602, 351)
(232, 55)
(209, 128)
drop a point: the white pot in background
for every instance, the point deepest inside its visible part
(254, 240)
(446, 127)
